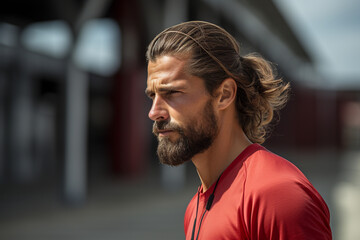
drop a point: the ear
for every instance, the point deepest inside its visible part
(226, 93)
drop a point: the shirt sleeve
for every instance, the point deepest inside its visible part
(287, 209)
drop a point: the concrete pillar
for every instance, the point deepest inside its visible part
(75, 177)
(20, 126)
(2, 127)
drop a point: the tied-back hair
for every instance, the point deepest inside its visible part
(214, 57)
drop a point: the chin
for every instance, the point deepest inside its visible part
(172, 139)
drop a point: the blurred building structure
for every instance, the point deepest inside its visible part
(72, 80)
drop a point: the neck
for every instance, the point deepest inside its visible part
(229, 143)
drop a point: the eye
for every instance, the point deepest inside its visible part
(151, 96)
(172, 92)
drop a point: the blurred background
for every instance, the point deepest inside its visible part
(77, 157)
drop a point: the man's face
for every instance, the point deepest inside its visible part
(184, 120)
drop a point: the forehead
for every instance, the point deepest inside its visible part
(170, 73)
(166, 69)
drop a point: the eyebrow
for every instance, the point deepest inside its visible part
(162, 89)
(149, 92)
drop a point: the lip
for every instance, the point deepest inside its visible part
(164, 132)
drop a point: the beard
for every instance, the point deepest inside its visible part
(193, 139)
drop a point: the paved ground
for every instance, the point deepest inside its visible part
(118, 210)
(142, 210)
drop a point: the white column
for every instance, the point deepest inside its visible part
(75, 177)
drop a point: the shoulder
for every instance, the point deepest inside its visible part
(281, 198)
(265, 169)
(270, 177)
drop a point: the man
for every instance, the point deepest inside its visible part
(212, 107)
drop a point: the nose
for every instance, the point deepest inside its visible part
(158, 110)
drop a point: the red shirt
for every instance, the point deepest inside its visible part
(260, 196)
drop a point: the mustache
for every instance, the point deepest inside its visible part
(165, 125)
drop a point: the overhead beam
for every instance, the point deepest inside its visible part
(259, 34)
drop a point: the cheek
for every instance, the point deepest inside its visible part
(188, 109)
(188, 119)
